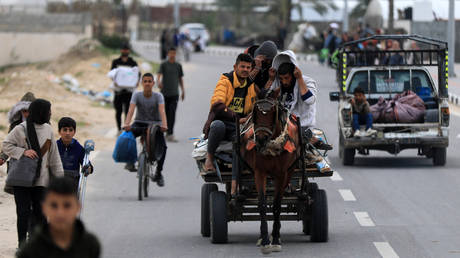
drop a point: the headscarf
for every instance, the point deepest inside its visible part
(39, 113)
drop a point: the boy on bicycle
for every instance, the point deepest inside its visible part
(150, 111)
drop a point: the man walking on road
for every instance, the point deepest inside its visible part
(123, 95)
(172, 75)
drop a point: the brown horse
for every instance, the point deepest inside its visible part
(269, 158)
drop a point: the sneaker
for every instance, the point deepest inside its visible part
(159, 179)
(131, 167)
(371, 132)
(358, 133)
(320, 145)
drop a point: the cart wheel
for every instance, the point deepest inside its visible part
(218, 217)
(312, 187)
(206, 191)
(319, 217)
(439, 156)
(348, 157)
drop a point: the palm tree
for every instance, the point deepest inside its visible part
(360, 9)
(391, 16)
(283, 8)
(239, 7)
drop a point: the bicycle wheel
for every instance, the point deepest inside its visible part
(146, 178)
(140, 175)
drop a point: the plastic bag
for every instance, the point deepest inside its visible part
(125, 149)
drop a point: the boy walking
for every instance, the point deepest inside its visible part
(63, 235)
(71, 151)
(361, 113)
(172, 75)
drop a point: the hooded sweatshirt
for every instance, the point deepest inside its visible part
(41, 245)
(301, 106)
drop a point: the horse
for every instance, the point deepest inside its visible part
(268, 157)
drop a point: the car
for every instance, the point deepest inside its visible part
(382, 80)
(197, 33)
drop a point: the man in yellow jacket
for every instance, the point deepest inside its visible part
(233, 98)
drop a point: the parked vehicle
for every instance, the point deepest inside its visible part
(197, 33)
(379, 79)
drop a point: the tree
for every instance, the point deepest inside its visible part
(283, 8)
(240, 8)
(360, 9)
(391, 16)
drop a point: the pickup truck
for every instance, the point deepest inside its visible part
(380, 79)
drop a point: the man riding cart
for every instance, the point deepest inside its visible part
(267, 155)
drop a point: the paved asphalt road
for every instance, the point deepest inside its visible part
(383, 206)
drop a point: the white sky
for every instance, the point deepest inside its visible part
(440, 7)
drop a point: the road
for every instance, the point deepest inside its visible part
(384, 206)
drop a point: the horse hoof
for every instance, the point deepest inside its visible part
(276, 248)
(266, 249)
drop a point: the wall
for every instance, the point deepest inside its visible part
(27, 38)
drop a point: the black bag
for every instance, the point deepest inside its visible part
(22, 171)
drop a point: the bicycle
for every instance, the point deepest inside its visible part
(147, 165)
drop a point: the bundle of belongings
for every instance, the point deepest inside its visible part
(125, 77)
(406, 107)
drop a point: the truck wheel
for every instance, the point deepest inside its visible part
(439, 156)
(319, 217)
(206, 191)
(313, 187)
(348, 157)
(218, 217)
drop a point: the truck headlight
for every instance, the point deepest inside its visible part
(347, 117)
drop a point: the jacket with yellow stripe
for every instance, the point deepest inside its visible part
(225, 91)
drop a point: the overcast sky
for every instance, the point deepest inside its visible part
(439, 6)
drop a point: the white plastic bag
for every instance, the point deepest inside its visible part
(126, 77)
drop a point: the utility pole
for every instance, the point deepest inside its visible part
(345, 17)
(391, 16)
(176, 14)
(451, 38)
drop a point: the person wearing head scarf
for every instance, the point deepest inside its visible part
(41, 145)
(17, 115)
(263, 58)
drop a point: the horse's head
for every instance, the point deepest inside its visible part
(265, 117)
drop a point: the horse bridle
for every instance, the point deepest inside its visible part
(264, 106)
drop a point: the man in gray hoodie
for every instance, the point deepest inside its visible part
(298, 93)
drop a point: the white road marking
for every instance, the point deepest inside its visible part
(336, 176)
(347, 195)
(385, 250)
(363, 219)
(93, 155)
(112, 133)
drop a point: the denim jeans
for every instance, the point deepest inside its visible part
(362, 119)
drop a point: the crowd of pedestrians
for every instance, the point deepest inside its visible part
(333, 38)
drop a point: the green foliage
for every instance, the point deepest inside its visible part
(3, 128)
(360, 9)
(113, 41)
(79, 74)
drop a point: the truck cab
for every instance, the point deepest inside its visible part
(384, 82)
